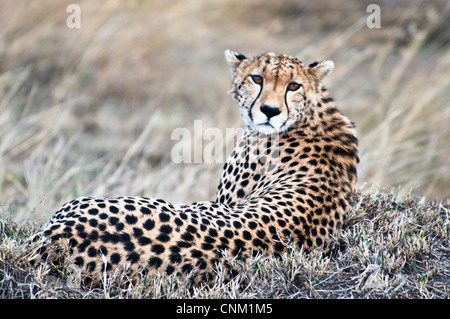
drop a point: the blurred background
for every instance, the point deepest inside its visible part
(91, 110)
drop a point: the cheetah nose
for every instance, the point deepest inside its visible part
(270, 111)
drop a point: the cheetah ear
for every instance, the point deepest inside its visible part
(234, 59)
(321, 69)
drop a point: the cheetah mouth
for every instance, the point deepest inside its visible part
(266, 124)
(266, 128)
(269, 125)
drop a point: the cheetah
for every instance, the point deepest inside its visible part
(290, 179)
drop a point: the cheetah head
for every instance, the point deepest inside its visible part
(274, 91)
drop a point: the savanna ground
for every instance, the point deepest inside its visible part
(90, 111)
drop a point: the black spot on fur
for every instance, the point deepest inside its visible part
(166, 229)
(144, 241)
(158, 249)
(115, 258)
(113, 209)
(93, 211)
(155, 262)
(91, 266)
(131, 220)
(164, 217)
(92, 252)
(149, 224)
(133, 257)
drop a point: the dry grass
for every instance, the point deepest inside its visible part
(90, 111)
(391, 247)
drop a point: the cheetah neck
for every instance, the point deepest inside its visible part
(323, 120)
(271, 160)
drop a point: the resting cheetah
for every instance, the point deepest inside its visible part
(290, 178)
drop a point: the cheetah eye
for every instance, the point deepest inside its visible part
(257, 79)
(293, 86)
